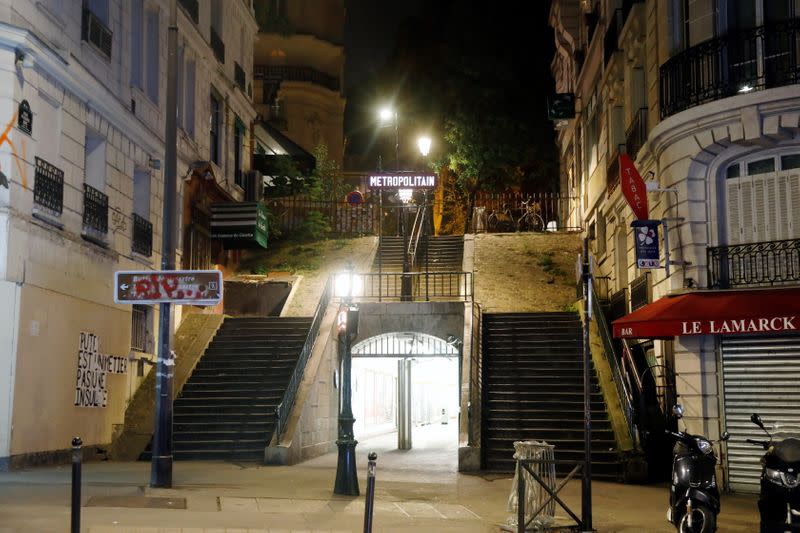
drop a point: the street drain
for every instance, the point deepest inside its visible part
(137, 502)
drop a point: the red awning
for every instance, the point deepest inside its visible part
(714, 313)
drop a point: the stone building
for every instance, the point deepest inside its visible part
(299, 87)
(703, 96)
(81, 152)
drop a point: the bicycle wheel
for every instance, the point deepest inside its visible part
(491, 224)
(524, 224)
(537, 223)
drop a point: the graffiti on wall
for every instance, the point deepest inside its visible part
(6, 139)
(93, 369)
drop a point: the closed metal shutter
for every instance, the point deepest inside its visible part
(760, 375)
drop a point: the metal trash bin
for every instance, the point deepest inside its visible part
(535, 495)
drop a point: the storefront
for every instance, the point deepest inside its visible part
(757, 338)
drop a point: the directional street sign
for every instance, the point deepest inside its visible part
(186, 287)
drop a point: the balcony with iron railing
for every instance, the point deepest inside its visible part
(48, 191)
(217, 45)
(94, 31)
(640, 291)
(636, 135)
(291, 73)
(95, 215)
(142, 242)
(739, 62)
(239, 76)
(759, 264)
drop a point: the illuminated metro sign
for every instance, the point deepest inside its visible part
(402, 180)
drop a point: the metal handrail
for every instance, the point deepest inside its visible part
(416, 232)
(625, 398)
(476, 378)
(284, 407)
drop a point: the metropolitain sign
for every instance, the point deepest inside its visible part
(402, 180)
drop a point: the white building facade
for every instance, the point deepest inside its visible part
(82, 108)
(703, 95)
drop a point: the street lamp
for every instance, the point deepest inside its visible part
(346, 285)
(388, 116)
(424, 145)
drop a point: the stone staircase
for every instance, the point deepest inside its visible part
(445, 254)
(533, 390)
(226, 410)
(390, 252)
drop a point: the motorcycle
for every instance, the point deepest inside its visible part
(779, 501)
(694, 495)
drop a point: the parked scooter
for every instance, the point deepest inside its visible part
(779, 503)
(694, 495)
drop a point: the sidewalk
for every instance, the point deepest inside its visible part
(417, 490)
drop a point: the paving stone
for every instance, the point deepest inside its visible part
(238, 504)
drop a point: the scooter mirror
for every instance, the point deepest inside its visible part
(755, 419)
(677, 410)
(725, 436)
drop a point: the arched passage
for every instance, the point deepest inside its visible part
(406, 383)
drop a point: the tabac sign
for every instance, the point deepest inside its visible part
(633, 187)
(402, 180)
(185, 287)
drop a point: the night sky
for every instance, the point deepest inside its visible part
(392, 49)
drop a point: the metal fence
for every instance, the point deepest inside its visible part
(552, 207)
(290, 213)
(424, 286)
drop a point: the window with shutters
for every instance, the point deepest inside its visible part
(763, 199)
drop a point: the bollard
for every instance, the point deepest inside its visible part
(370, 503)
(77, 456)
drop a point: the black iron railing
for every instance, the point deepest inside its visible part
(611, 39)
(290, 73)
(192, 9)
(94, 31)
(618, 305)
(48, 188)
(640, 291)
(742, 61)
(636, 135)
(611, 355)
(239, 76)
(284, 407)
(475, 401)
(755, 264)
(142, 236)
(425, 286)
(217, 45)
(95, 211)
(139, 328)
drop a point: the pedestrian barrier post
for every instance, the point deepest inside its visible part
(370, 503)
(77, 456)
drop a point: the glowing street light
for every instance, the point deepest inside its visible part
(424, 144)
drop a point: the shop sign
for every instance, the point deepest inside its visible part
(645, 239)
(239, 225)
(402, 180)
(741, 325)
(25, 117)
(93, 369)
(633, 187)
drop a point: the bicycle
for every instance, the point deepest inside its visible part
(531, 219)
(502, 221)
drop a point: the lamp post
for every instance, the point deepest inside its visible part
(386, 115)
(347, 327)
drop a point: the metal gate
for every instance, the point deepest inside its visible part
(760, 375)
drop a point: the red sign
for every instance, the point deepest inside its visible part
(355, 198)
(633, 187)
(714, 313)
(187, 287)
